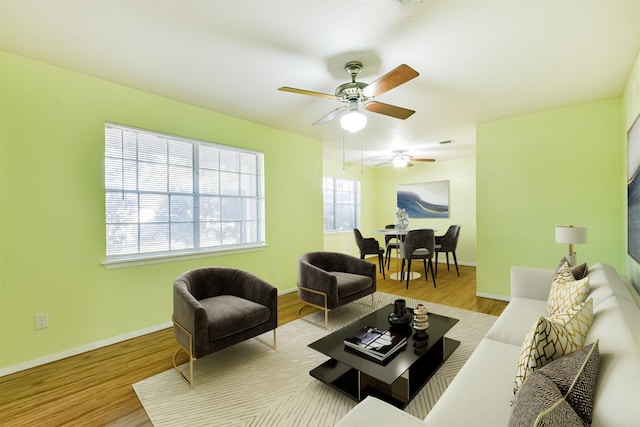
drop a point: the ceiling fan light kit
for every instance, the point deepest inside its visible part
(400, 162)
(402, 159)
(354, 120)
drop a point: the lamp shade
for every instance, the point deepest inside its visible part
(571, 234)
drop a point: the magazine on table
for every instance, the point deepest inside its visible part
(375, 342)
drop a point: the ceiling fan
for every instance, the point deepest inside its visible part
(401, 159)
(356, 94)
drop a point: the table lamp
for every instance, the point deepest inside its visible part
(571, 235)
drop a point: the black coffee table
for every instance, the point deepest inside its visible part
(396, 380)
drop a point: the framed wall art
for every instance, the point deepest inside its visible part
(425, 200)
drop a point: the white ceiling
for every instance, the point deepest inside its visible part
(478, 60)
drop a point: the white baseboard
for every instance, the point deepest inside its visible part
(85, 348)
(452, 264)
(492, 296)
(82, 349)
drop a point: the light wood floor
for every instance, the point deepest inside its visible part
(94, 388)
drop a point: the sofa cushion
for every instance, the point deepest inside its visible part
(605, 275)
(631, 315)
(619, 380)
(228, 315)
(560, 393)
(516, 319)
(480, 394)
(612, 329)
(373, 412)
(617, 391)
(548, 341)
(349, 284)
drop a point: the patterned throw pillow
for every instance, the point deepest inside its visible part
(578, 325)
(540, 398)
(563, 273)
(560, 393)
(549, 340)
(564, 295)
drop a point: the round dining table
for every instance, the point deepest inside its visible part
(397, 233)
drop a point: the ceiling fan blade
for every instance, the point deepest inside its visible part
(381, 164)
(307, 92)
(394, 78)
(415, 159)
(389, 110)
(332, 115)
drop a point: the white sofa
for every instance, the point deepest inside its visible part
(481, 393)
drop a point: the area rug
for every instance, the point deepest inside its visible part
(250, 384)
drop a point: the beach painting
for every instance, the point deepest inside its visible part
(633, 190)
(425, 200)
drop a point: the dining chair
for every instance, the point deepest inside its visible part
(418, 244)
(446, 243)
(370, 246)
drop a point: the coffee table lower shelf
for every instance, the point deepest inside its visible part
(357, 385)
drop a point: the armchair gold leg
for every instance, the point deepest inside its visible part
(372, 305)
(175, 365)
(308, 304)
(267, 344)
(189, 352)
(324, 308)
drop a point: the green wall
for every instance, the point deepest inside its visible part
(52, 211)
(536, 171)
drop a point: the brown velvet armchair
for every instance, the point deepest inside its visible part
(328, 280)
(215, 307)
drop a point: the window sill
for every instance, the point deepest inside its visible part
(335, 232)
(147, 259)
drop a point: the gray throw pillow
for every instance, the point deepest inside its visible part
(576, 376)
(540, 403)
(560, 393)
(578, 271)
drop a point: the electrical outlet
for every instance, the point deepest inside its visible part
(272, 272)
(42, 320)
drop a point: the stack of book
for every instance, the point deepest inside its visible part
(375, 342)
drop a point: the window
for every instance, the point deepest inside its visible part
(167, 195)
(341, 204)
